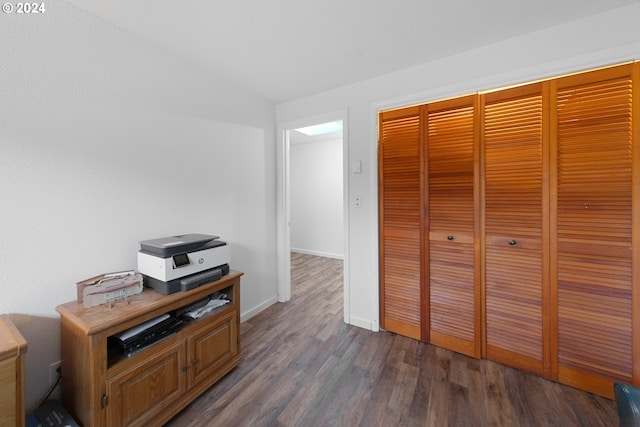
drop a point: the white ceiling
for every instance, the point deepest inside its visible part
(287, 49)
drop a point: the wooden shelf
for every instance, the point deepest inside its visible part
(103, 391)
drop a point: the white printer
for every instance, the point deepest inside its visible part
(179, 263)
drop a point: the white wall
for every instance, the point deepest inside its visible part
(106, 141)
(316, 198)
(599, 40)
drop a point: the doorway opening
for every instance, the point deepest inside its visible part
(312, 196)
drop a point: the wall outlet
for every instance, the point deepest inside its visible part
(54, 370)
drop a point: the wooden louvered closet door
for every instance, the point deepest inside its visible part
(400, 220)
(516, 229)
(594, 231)
(450, 137)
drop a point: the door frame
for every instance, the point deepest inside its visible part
(283, 202)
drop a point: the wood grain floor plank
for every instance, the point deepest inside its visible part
(403, 389)
(419, 408)
(438, 410)
(472, 380)
(458, 408)
(304, 366)
(499, 409)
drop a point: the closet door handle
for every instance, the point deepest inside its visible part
(450, 237)
(512, 242)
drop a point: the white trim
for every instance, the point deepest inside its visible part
(255, 310)
(283, 226)
(283, 218)
(362, 323)
(346, 265)
(375, 227)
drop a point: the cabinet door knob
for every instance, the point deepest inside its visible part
(450, 237)
(193, 362)
(512, 242)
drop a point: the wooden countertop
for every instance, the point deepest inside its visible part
(102, 317)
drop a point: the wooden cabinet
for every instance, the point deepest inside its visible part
(530, 243)
(140, 393)
(151, 386)
(13, 348)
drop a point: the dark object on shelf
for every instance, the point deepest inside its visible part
(142, 336)
(50, 414)
(628, 402)
(188, 282)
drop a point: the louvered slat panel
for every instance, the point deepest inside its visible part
(400, 216)
(451, 169)
(452, 284)
(594, 228)
(452, 310)
(513, 212)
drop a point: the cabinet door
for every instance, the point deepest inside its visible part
(451, 167)
(594, 253)
(142, 392)
(516, 229)
(8, 399)
(211, 346)
(400, 221)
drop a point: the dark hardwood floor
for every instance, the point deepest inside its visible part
(305, 367)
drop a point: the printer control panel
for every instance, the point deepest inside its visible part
(180, 260)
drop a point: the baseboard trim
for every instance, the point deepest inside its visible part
(361, 323)
(317, 253)
(257, 309)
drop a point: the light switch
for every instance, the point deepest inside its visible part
(356, 166)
